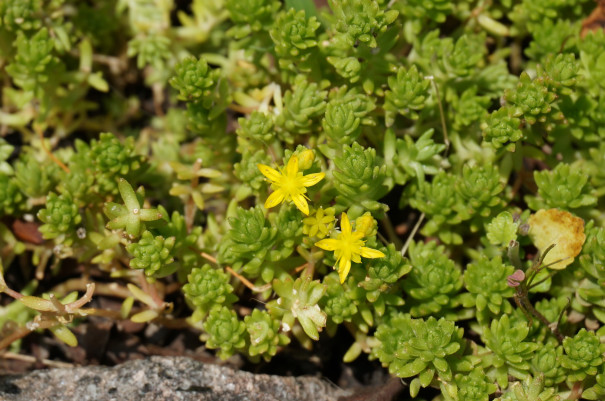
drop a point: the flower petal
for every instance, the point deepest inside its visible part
(371, 253)
(312, 179)
(301, 203)
(292, 167)
(328, 244)
(343, 269)
(310, 221)
(269, 172)
(345, 224)
(356, 236)
(274, 199)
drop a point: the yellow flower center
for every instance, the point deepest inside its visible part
(291, 185)
(350, 246)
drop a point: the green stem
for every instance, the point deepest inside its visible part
(405, 247)
(393, 237)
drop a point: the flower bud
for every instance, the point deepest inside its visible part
(365, 224)
(305, 159)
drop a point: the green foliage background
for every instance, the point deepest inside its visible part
(130, 133)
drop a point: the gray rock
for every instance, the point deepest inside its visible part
(162, 378)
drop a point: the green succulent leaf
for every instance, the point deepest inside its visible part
(225, 331)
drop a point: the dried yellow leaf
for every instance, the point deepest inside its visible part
(561, 228)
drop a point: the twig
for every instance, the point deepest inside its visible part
(179, 323)
(32, 359)
(246, 282)
(523, 287)
(576, 391)
(48, 152)
(209, 257)
(301, 267)
(115, 64)
(86, 298)
(109, 314)
(383, 239)
(405, 247)
(553, 328)
(14, 336)
(150, 289)
(79, 284)
(158, 98)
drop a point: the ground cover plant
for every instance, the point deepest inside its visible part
(423, 180)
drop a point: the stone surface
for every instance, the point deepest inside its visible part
(162, 378)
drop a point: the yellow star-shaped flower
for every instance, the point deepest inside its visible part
(290, 184)
(347, 247)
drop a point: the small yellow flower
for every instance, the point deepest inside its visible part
(347, 247)
(320, 224)
(290, 183)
